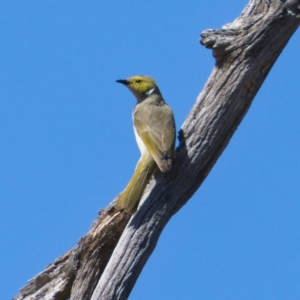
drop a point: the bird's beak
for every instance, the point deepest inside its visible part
(123, 81)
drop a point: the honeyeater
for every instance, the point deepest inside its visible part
(154, 129)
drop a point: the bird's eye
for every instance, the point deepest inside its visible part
(138, 81)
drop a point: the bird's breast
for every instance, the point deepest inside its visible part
(139, 141)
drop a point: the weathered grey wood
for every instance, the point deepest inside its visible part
(245, 51)
(79, 269)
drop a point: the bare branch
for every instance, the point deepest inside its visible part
(245, 51)
(79, 269)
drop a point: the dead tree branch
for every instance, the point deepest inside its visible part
(107, 261)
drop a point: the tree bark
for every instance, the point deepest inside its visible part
(107, 261)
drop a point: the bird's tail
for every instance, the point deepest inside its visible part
(134, 190)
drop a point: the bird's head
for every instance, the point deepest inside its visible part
(141, 86)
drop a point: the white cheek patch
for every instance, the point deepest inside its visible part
(150, 92)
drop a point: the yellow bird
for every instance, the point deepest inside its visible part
(154, 129)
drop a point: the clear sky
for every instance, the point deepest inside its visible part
(67, 147)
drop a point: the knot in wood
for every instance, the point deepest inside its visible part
(220, 41)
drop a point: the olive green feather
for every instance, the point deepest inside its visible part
(155, 133)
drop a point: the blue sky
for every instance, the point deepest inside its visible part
(68, 148)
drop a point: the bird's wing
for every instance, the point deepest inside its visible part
(156, 127)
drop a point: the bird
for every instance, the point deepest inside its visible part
(155, 133)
